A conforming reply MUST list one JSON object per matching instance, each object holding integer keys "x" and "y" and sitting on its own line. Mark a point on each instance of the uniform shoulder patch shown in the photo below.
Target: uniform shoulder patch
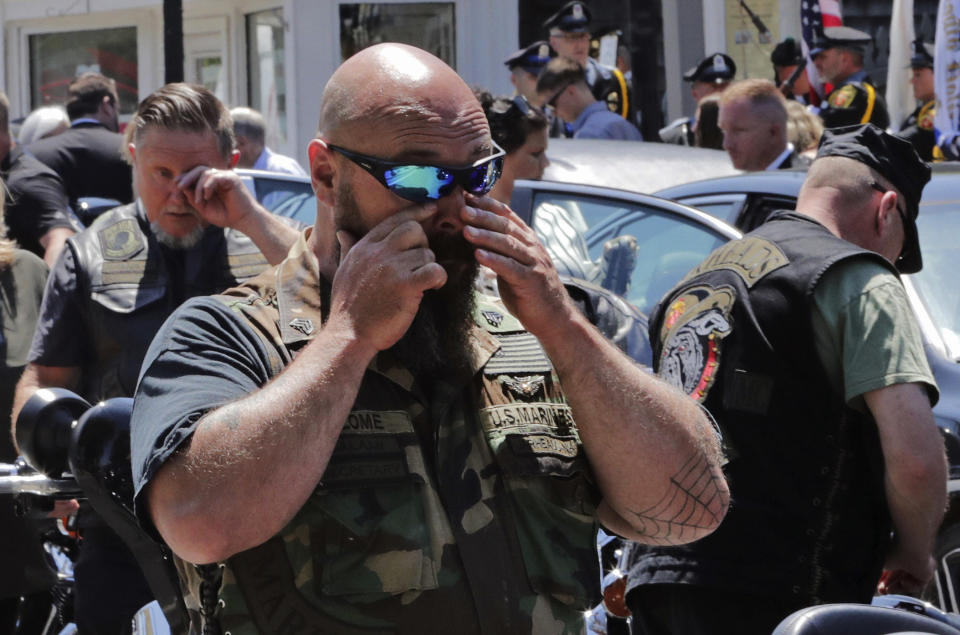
{"x": 121, "y": 240}
{"x": 843, "y": 97}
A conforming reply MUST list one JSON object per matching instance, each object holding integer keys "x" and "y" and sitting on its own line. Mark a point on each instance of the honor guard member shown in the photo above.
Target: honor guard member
{"x": 570, "y": 38}
{"x": 838, "y": 55}
{"x": 800, "y": 340}
{"x": 918, "y": 127}
{"x": 786, "y": 57}
{"x": 193, "y": 230}
{"x": 712, "y": 75}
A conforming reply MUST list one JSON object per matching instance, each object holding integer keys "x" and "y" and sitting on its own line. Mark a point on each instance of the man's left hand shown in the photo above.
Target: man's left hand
{"x": 219, "y": 196}
{"x": 528, "y": 282}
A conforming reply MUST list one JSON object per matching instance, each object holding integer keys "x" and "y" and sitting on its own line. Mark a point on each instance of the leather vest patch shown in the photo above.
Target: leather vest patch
{"x": 693, "y": 329}
{"x": 751, "y": 258}
{"x": 121, "y": 240}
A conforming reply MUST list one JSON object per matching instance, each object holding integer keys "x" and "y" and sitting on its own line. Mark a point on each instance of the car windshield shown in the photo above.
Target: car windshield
{"x": 938, "y": 228}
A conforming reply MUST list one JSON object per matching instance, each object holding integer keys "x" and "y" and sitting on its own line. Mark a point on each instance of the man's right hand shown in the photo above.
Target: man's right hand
{"x": 382, "y": 276}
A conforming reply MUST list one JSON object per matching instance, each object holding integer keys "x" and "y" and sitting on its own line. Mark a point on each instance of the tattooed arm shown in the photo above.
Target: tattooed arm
{"x": 653, "y": 451}
{"x": 652, "y": 448}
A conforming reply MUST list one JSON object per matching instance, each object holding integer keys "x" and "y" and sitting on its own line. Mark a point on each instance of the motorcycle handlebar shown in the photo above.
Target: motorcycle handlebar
{"x": 19, "y": 479}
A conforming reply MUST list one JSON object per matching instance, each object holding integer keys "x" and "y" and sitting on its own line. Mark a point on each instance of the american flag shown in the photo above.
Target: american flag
{"x": 814, "y": 15}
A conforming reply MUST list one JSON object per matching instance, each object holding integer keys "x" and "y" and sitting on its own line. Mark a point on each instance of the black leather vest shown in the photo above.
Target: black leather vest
{"x": 808, "y": 514}
{"x": 129, "y": 284}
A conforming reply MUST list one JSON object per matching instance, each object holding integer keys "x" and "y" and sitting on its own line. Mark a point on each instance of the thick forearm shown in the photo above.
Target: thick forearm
{"x": 272, "y": 236}
{"x": 266, "y": 452}
{"x": 917, "y": 497}
{"x": 654, "y": 452}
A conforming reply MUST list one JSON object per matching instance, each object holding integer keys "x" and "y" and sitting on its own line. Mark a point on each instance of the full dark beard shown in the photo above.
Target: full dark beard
{"x": 437, "y": 344}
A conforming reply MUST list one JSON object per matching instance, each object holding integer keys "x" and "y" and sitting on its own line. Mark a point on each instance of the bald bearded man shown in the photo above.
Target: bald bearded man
{"x": 367, "y": 445}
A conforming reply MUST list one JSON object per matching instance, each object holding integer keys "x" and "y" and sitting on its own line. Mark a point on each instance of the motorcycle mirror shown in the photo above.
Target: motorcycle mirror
{"x": 44, "y": 427}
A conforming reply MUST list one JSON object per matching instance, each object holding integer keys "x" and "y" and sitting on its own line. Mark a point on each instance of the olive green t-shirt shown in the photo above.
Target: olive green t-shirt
{"x": 865, "y": 332}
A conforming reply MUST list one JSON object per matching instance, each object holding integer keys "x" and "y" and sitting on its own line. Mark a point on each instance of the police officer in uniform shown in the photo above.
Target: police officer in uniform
{"x": 525, "y": 66}
{"x": 570, "y": 38}
{"x": 712, "y": 75}
{"x": 838, "y": 55}
{"x": 800, "y": 340}
{"x": 918, "y": 127}
{"x": 115, "y": 284}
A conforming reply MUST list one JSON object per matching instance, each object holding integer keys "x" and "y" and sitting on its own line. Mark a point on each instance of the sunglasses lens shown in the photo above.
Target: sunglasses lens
{"x": 483, "y": 177}
{"x": 418, "y": 183}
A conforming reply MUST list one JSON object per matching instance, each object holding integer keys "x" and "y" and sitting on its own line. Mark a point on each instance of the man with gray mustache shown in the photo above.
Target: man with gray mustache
{"x": 193, "y": 230}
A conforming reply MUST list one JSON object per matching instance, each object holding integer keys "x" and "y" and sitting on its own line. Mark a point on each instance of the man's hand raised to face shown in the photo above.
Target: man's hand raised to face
{"x": 381, "y": 278}
{"x": 220, "y": 197}
{"x": 529, "y": 284}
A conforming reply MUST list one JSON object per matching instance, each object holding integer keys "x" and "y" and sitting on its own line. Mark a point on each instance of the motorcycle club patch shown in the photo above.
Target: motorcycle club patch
{"x": 120, "y": 240}
{"x": 693, "y": 329}
{"x": 843, "y": 97}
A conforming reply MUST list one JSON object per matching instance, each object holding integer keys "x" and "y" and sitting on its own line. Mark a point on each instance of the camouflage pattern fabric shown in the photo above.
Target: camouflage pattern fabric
{"x": 473, "y": 510}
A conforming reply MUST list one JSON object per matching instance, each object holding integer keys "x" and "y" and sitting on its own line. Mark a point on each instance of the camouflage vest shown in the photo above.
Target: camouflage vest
{"x": 126, "y": 288}
{"x": 471, "y": 511}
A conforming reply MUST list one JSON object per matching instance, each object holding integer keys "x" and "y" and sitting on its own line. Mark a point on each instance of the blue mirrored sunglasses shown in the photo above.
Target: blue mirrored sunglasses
{"x": 421, "y": 183}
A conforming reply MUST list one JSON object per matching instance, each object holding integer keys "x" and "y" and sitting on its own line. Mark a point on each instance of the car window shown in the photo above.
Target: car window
{"x": 650, "y": 251}
{"x": 290, "y": 198}
{"x": 726, "y": 207}
{"x": 562, "y": 220}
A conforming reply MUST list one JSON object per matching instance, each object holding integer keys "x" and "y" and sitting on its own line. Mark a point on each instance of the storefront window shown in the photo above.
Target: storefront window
{"x": 267, "y": 91}
{"x": 428, "y": 25}
{"x": 57, "y": 58}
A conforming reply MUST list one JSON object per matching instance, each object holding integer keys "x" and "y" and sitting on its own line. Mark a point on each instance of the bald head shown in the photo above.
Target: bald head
{"x": 398, "y": 88}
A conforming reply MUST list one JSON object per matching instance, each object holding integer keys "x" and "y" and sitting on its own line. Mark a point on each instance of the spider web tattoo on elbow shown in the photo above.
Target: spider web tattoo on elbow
{"x": 694, "y": 501}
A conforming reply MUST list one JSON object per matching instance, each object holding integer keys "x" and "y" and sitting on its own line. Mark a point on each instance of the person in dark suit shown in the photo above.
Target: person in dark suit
{"x": 88, "y": 156}
{"x": 753, "y": 118}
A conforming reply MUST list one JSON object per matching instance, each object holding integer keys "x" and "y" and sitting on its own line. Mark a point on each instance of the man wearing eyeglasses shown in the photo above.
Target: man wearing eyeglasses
{"x": 365, "y": 443}
{"x": 799, "y": 339}
{"x": 562, "y": 85}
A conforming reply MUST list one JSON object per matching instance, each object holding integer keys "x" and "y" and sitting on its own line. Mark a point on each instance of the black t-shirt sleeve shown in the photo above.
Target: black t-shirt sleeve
{"x": 37, "y": 205}
{"x": 60, "y": 335}
{"x": 203, "y": 357}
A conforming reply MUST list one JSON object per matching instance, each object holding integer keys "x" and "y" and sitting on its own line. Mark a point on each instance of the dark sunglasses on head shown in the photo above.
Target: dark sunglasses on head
{"x": 420, "y": 183}
{"x": 517, "y": 105}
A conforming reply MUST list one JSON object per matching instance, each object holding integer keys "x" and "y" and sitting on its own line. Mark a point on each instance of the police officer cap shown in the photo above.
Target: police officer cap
{"x": 897, "y": 161}
{"x": 922, "y": 55}
{"x": 787, "y": 53}
{"x": 717, "y": 68}
{"x": 532, "y": 58}
{"x": 842, "y": 37}
{"x": 573, "y": 17}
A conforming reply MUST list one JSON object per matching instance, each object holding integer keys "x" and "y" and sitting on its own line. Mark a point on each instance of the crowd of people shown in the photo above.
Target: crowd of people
{"x": 335, "y": 430}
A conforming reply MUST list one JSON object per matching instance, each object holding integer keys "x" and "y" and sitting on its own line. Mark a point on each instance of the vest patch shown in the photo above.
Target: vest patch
{"x": 544, "y": 444}
{"x": 523, "y": 387}
{"x": 750, "y": 258}
{"x": 377, "y": 422}
{"x": 526, "y": 418}
{"x": 121, "y": 240}
{"x": 694, "y": 326}
{"x": 519, "y": 353}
